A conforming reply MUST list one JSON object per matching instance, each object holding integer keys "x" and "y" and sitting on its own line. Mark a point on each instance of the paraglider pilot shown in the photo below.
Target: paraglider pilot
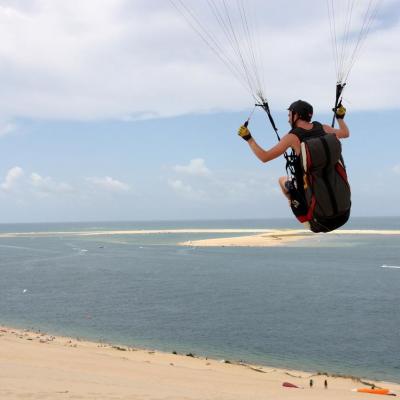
{"x": 299, "y": 118}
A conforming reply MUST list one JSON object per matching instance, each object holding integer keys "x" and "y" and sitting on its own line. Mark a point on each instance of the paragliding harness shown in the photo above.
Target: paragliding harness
{"x": 318, "y": 187}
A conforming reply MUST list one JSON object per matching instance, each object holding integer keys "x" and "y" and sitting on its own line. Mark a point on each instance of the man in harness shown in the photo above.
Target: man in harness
{"x": 302, "y": 130}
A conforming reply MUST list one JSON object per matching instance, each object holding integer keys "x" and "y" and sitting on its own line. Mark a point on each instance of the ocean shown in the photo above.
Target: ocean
{"x": 330, "y": 304}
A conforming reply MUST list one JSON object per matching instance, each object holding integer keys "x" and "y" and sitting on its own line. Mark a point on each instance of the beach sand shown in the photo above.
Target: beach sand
{"x": 36, "y": 365}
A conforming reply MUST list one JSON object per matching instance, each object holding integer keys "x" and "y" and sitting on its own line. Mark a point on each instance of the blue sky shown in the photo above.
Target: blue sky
{"x": 102, "y": 119}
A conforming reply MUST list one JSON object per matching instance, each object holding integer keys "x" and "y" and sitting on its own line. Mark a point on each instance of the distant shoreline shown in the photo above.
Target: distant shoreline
{"x": 130, "y": 232}
{"x": 287, "y": 232}
{"x": 243, "y": 237}
{"x": 38, "y": 365}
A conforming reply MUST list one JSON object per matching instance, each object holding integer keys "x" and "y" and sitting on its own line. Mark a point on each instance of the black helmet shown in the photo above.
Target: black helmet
{"x": 303, "y": 109}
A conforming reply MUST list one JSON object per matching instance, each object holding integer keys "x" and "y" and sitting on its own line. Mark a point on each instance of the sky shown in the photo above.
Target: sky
{"x": 117, "y": 110}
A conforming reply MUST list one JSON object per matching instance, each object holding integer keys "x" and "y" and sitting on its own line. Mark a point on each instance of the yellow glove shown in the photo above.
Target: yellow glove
{"x": 244, "y": 133}
{"x": 340, "y": 111}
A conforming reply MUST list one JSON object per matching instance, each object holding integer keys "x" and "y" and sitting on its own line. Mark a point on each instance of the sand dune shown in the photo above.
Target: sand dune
{"x": 39, "y": 366}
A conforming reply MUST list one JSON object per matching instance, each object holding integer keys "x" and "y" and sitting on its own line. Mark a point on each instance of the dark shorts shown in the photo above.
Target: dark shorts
{"x": 298, "y": 201}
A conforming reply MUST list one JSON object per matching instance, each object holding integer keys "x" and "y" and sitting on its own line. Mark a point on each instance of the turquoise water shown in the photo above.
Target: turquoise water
{"x": 325, "y": 304}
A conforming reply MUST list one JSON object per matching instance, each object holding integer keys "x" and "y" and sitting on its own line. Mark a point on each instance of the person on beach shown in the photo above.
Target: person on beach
{"x": 299, "y": 118}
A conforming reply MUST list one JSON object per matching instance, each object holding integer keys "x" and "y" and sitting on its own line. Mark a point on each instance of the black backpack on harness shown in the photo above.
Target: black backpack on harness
{"x": 319, "y": 189}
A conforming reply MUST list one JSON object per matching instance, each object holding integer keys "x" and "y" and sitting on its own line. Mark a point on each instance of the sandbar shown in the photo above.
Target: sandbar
{"x": 271, "y": 238}
{"x": 37, "y": 365}
{"x": 280, "y": 237}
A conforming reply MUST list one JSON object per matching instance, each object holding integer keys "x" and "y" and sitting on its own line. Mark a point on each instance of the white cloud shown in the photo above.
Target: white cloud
{"x": 196, "y": 167}
{"x": 45, "y": 186}
{"x": 186, "y": 190}
{"x": 129, "y": 59}
{"x": 228, "y": 187}
{"x": 21, "y": 188}
{"x": 11, "y": 179}
{"x": 396, "y": 169}
{"x": 109, "y": 184}
{"x": 244, "y": 186}
{"x": 6, "y": 128}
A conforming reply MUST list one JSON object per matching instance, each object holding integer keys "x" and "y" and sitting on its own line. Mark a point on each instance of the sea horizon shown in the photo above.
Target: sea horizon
{"x": 353, "y": 223}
